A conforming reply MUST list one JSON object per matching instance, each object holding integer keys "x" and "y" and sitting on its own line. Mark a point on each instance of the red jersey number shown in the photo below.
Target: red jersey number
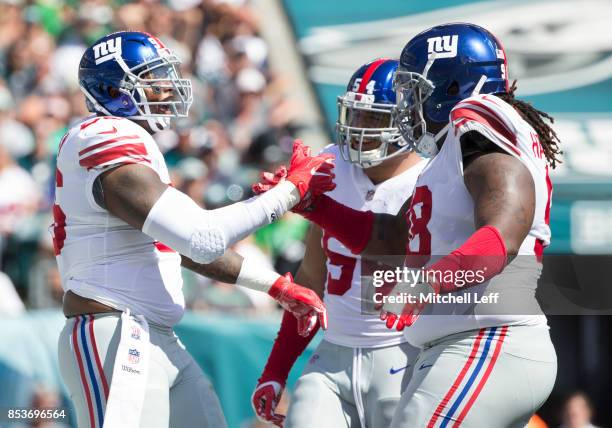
{"x": 418, "y": 248}
{"x": 59, "y": 218}
{"x": 340, "y": 271}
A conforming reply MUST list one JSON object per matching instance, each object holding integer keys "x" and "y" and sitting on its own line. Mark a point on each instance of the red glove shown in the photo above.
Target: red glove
{"x": 269, "y": 180}
{"x": 264, "y": 400}
{"x": 302, "y": 302}
{"x": 400, "y": 315}
{"x": 351, "y": 227}
{"x": 311, "y": 175}
{"x": 288, "y": 346}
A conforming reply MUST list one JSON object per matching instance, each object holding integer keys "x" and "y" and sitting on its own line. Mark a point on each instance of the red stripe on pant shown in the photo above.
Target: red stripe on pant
{"x": 482, "y": 382}
{"x": 79, "y": 359}
{"x": 458, "y": 380}
{"x": 97, "y": 357}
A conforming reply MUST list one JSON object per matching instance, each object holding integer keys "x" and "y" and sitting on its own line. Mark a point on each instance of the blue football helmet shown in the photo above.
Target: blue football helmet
{"x": 365, "y": 129}
{"x": 118, "y": 71}
{"x": 438, "y": 68}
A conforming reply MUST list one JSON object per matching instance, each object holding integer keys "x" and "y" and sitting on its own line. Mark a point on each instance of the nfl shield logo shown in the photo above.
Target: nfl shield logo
{"x": 133, "y": 356}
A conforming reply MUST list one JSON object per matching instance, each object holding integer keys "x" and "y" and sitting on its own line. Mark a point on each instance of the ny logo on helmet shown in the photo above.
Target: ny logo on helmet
{"x": 443, "y": 46}
{"x": 107, "y": 50}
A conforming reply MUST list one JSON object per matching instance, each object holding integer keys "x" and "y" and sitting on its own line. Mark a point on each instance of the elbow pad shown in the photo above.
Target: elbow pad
{"x": 178, "y": 222}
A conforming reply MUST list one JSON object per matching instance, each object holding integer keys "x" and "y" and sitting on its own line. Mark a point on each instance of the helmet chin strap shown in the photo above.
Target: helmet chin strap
{"x": 479, "y": 85}
{"x": 158, "y": 123}
{"x": 428, "y": 144}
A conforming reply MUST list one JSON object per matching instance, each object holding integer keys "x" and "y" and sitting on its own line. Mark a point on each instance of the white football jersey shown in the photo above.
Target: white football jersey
{"x": 442, "y": 219}
{"x": 100, "y": 256}
{"x": 348, "y": 325}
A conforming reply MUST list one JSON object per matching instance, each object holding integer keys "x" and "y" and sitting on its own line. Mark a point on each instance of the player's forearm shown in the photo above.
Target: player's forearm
{"x": 313, "y": 271}
{"x": 310, "y": 280}
{"x": 225, "y": 269}
{"x": 287, "y": 347}
{"x": 388, "y": 236}
{"x": 362, "y": 232}
{"x": 243, "y": 218}
{"x": 232, "y": 268}
{"x": 484, "y": 254}
{"x": 347, "y": 225}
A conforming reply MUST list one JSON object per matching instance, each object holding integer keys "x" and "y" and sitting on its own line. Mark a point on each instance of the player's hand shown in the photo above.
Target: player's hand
{"x": 406, "y": 304}
{"x": 271, "y": 179}
{"x": 301, "y": 302}
{"x": 264, "y": 400}
{"x": 311, "y": 175}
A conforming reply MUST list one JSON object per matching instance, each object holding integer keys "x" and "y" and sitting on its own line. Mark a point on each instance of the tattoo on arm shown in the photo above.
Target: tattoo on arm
{"x": 225, "y": 269}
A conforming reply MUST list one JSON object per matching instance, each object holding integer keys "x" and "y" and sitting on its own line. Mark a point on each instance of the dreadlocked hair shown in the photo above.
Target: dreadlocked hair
{"x": 548, "y": 137}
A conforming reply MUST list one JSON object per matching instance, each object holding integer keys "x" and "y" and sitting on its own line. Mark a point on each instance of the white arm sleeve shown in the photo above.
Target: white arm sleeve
{"x": 204, "y": 235}
{"x": 253, "y": 276}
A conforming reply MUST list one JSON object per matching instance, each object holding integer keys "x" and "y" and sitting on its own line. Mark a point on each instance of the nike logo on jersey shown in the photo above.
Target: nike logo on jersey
{"x": 394, "y": 371}
{"x": 112, "y": 131}
{"x": 424, "y": 366}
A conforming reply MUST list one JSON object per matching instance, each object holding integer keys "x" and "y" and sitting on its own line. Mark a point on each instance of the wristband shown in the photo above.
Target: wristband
{"x": 483, "y": 252}
{"x": 254, "y": 277}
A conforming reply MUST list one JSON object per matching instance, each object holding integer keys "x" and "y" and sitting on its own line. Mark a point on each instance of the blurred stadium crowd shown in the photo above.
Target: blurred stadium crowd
{"x": 240, "y": 123}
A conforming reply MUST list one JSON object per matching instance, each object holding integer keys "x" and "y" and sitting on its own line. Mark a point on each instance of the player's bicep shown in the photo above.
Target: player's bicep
{"x": 130, "y": 191}
{"x": 313, "y": 271}
{"x": 504, "y": 196}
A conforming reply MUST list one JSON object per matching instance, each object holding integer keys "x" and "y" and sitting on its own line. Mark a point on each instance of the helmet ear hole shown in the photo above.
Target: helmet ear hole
{"x": 108, "y": 90}
{"x": 112, "y": 92}
{"x": 453, "y": 89}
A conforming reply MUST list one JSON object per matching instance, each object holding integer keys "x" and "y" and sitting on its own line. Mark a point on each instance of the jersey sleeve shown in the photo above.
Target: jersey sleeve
{"x": 487, "y": 115}
{"x": 110, "y": 141}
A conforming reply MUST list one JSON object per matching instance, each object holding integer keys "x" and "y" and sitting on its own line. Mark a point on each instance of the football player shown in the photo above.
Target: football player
{"x": 359, "y": 370}
{"x": 481, "y": 206}
{"x": 122, "y": 232}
